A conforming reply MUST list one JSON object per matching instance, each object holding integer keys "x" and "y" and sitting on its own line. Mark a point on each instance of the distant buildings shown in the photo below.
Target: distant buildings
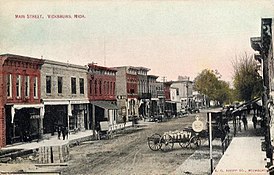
{"x": 39, "y": 95}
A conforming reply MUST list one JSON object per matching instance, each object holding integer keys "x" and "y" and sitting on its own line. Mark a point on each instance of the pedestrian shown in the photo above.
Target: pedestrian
{"x": 98, "y": 130}
{"x": 125, "y": 120}
{"x": 63, "y": 130}
{"x": 240, "y": 123}
{"x": 244, "y": 122}
{"x": 59, "y": 131}
{"x": 254, "y": 120}
{"x": 66, "y": 132}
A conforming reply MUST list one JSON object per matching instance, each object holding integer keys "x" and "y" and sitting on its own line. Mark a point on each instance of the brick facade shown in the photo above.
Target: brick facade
{"x": 17, "y": 86}
{"x": 101, "y": 83}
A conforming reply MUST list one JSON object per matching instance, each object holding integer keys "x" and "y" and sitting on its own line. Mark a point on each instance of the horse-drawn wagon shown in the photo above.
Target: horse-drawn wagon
{"x": 186, "y": 138}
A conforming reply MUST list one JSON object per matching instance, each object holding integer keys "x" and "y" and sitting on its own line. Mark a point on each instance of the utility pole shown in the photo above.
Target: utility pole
{"x": 93, "y": 106}
{"x": 164, "y": 79}
{"x": 187, "y": 92}
{"x": 104, "y": 51}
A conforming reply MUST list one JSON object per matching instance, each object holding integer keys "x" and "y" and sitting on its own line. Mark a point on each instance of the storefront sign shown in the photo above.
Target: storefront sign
{"x": 197, "y": 125}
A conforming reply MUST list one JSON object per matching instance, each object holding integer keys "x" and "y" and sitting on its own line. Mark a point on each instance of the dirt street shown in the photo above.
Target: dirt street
{"x": 128, "y": 153}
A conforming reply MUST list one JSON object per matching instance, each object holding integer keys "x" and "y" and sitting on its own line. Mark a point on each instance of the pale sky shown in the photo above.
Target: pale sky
{"x": 171, "y": 38}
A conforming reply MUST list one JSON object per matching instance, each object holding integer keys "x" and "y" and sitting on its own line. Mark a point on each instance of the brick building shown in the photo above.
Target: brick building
{"x": 144, "y": 96}
{"x": 152, "y": 84}
{"x": 264, "y": 47}
{"x": 21, "y": 111}
{"x": 101, "y": 93}
{"x": 65, "y": 96}
{"x": 127, "y": 91}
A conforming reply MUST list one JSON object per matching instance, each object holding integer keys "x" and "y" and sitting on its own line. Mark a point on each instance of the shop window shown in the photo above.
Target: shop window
{"x": 73, "y": 85}
{"x": 9, "y": 85}
{"x": 27, "y": 86}
{"x": 35, "y": 87}
{"x": 18, "y": 86}
{"x": 81, "y": 82}
{"x": 48, "y": 84}
{"x": 60, "y": 85}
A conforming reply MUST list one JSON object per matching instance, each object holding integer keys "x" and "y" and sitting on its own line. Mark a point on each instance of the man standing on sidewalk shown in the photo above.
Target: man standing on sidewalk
{"x": 254, "y": 120}
{"x": 244, "y": 122}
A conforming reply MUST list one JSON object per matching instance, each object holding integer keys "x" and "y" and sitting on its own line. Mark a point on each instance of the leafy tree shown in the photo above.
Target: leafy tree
{"x": 223, "y": 92}
{"x": 247, "y": 82}
{"x": 208, "y": 83}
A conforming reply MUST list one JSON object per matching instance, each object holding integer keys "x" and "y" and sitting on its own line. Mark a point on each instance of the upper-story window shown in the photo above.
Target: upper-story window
{"x": 95, "y": 87}
{"x": 27, "y": 87}
{"x": 60, "y": 85}
{"x": 35, "y": 87}
{"x": 73, "y": 85}
{"x": 81, "y": 83}
{"x": 108, "y": 89}
{"x": 90, "y": 87}
{"x": 113, "y": 87}
{"x": 100, "y": 87}
{"x": 48, "y": 84}
{"x": 9, "y": 85}
{"x": 18, "y": 86}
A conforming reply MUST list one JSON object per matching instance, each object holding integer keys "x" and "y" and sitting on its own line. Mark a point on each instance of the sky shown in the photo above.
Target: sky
{"x": 172, "y": 38}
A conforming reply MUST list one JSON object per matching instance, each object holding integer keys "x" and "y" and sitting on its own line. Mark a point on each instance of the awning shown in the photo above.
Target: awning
{"x": 18, "y": 106}
{"x": 79, "y": 101}
{"x": 250, "y": 102}
{"x": 171, "y": 102}
{"x": 104, "y": 104}
{"x": 243, "y": 107}
{"x": 65, "y": 101}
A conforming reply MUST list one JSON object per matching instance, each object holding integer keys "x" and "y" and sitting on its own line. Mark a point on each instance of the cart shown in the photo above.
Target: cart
{"x": 105, "y": 132}
{"x": 187, "y": 138}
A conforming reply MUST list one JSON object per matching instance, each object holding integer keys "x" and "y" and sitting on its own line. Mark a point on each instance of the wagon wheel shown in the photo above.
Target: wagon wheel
{"x": 195, "y": 142}
{"x": 154, "y": 142}
{"x": 166, "y": 142}
{"x": 183, "y": 142}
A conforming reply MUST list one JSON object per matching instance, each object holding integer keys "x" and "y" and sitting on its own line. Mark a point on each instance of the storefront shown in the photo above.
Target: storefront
{"x": 78, "y": 118}
{"x": 104, "y": 111}
{"x": 24, "y": 122}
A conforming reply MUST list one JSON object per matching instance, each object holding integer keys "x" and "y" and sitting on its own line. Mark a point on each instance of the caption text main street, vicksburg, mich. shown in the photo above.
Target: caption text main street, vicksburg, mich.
{"x": 58, "y": 16}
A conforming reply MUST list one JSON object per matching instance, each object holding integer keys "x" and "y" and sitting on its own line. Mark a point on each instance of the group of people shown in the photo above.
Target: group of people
{"x": 62, "y": 130}
{"x": 245, "y": 122}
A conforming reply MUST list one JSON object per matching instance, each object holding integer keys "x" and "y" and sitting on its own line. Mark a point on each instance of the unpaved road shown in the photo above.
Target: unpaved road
{"x": 128, "y": 153}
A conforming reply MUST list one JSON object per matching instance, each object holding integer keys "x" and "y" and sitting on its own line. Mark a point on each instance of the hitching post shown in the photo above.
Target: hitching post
{"x": 210, "y": 143}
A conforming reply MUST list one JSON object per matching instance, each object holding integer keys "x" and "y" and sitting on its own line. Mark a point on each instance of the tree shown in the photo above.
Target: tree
{"x": 223, "y": 93}
{"x": 208, "y": 83}
{"x": 247, "y": 82}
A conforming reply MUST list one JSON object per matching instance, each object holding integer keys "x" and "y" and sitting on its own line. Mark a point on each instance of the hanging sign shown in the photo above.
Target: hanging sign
{"x": 197, "y": 125}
